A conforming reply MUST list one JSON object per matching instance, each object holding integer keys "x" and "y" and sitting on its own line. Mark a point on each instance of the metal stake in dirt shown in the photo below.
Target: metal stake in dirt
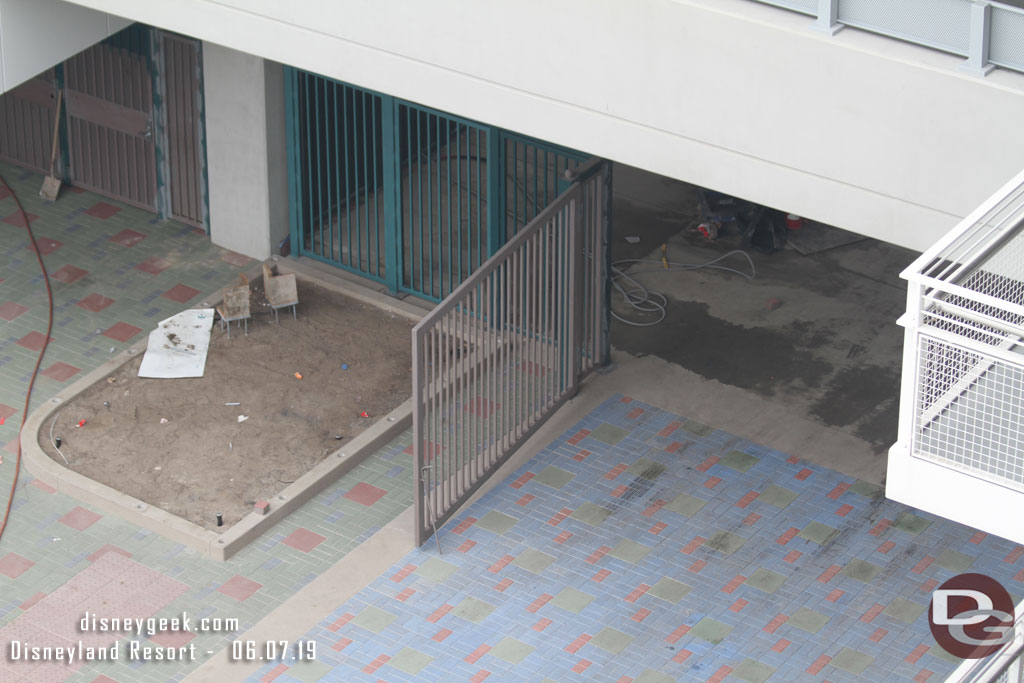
{"x": 433, "y": 519}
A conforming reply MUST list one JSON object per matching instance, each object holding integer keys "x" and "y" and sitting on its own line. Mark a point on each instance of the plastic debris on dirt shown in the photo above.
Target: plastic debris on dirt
{"x": 178, "y": 346}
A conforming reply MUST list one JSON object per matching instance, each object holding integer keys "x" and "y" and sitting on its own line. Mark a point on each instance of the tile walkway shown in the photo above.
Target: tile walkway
{"x": 115, "y": 272}
{"x": 641, "y": 546}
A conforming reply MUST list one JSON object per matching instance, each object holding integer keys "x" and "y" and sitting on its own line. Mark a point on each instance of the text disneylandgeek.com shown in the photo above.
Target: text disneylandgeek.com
{"x": 139, "y": 650}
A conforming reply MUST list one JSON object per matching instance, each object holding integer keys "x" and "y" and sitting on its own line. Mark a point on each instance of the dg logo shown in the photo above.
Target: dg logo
{"x": 971, "y": 616}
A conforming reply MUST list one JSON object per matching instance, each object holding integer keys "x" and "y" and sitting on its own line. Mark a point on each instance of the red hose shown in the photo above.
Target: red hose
{"x": 39, "y": 360}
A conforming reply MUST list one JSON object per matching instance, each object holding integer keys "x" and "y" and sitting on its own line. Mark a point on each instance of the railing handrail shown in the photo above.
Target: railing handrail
{"x": 992, "y": 667}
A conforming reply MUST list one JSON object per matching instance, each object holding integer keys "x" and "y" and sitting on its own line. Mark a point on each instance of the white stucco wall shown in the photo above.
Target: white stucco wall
{"x": 868, "y": 133}
{"x": 244, "y": 151}
{"x": 37, "y": 34}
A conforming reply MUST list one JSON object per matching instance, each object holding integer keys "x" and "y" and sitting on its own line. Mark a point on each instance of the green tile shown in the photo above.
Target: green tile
{"x": 669, "y": 590}
{"x": 436, "y": 569}
{"x": 572, "y": 599}
{"x": 511, "y": 650}
{"x": 819, "y": 533}
{"x": 496, "y": 522}
{"x": 954, "y": 561}
{"x": 766, "y": 581}
{"x": 711, "y": 630}
{"x": 911, "y": 523}
{"x": 851, "y": 660}
{"x": 472, "y": 609}
{"x": 374, "y": 620}
{"x": 724, "y": 542}
{"x": 629, "y": 551}
{"x": 906, "y": 611}
{"x": 309, "y": 671}
{"x": 754, "y": 672}
{"x": 411, "y": 661}
{"x": 866, "y": 489}
{"x": 645, "y": 469}
{"x": 685, "y": 504}
{"x": 697, "y": 428}
{"x": 652, "y": 676}
{"x": 611, "y": 640}
{"x": 777, "y": 496}
{"x": 738, "y": 460}
{"x": 591, "y": 514}
{"x": 861, "y": 570}
{"x": 533, "y": 560}
{"x": 554, "y": 477}
{"x": 808, "y": 620}
{"x": 609, "y": 434}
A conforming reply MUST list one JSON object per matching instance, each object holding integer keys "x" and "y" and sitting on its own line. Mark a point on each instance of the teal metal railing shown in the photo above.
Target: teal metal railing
{"x": 405, "y": 195}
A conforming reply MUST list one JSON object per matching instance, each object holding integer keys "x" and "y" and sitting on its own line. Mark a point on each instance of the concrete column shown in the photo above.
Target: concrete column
{"x": 245, "y": 151}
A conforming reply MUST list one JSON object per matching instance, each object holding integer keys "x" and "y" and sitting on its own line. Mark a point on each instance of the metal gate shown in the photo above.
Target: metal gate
{"x": 109, "y": 92}
{"x": 26, "y": 122}
{"x": 499, "y": 356}
{"x": 183, "y": 111}
{"x": 408, "y": 196}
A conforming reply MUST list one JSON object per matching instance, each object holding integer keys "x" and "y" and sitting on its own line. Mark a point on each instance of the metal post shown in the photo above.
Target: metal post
{"x": 981, "y": 22}
{"x": 828, "y": 17}
{"x": 495, "y": 191}
{"x": 392, "y": 227}
{"x": 158, "y": 124}
{"x": 292, "y": 142}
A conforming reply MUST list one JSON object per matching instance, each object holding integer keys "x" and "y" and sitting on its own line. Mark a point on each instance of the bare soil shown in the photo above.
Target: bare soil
{"x": 203, "y": 460}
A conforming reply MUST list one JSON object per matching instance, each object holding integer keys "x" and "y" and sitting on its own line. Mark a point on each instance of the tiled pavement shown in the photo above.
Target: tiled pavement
{"x": 641, "y": 546}
{"x": 115, "y": 272}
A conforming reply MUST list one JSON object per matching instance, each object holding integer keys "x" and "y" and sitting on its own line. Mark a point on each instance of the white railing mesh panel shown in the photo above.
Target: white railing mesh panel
{"x": 1006, "y": 40}
{"x": 942, "y": 24}
{"x": 802, "y": 6}
{"x": 968, "y": 411}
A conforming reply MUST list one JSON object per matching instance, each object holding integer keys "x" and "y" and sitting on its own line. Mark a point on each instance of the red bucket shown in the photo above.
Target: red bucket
{"x": 794, "y": 222}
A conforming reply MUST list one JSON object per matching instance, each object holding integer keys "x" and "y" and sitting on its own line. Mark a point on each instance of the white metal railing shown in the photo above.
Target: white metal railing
{"x": 987, "y": 33}
{"x": 1004, "y": 666}
{"x": 964, "y": 366}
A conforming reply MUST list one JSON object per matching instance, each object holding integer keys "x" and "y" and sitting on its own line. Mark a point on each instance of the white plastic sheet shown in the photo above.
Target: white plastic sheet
{"x": 178, "y": 346}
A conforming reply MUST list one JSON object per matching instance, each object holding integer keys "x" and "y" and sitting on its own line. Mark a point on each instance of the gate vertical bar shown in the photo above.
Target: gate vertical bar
{"x": 392, "y": 229}
{"x": 292, "y": 151}
{"x": 495, "y": 189}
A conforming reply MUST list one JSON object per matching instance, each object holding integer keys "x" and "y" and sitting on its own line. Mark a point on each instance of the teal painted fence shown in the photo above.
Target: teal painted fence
{"x": 407, "y": 196}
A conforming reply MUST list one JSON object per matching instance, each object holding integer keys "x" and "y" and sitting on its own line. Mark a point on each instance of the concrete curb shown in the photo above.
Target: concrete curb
{"x": 219, "y": 546}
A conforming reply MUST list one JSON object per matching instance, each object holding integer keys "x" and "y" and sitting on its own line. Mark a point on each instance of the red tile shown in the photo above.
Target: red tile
{"x": 781, "y": 645}
{"x": 101, "y": 210}
{"x": 16, "y": 219}
{"x": 32, "y": 601}
{"x": 925, "y": 562}
{"x": 376, "y": 664}
{"x": 829, "y": 573}
{"x": 239, "y": 587}
{"x": 539, "y": 602}
{"x": 619, "y": 490}
{"x": 635, "y": 413}
{"x": 154, "y": 265}
{"x": 839, "y": 490}
{"x": 578, "y": 436}
{"x": 735, "y": 583}
{"x": 480, "y": 676}
{"x": 793, "y": 556}
{"x": 10, "y": 310}
{"x": 601, "y": 575}
{"x": 523, "y": 478}
{"x": 128, "y": 238}
{"x": 720, "y": 675}
{"x": 405, "y": 595}
{"x": 108, "y": 548}
{"x": 180, "y": 293}
{"x": 751, "y": 518}
{"x": 878, "y": 635}
{"x": 738, "y": 605}
{"x": 870, "y": 615}
{"x": 33, "y": 341}
{"x": 464, "y": 524}
{"x": 708, "y": 463}
{"x": 400, "y": 575}
{"x": 341, "y": 621}
{"x": 122, "y": 331}
{"x": 819, "y": 664}
{"x": 712, "y": 482}
{"x": 669, "y": 428}
{"x": 79, "y": 518}
{"x": 234, "y": 258}
{"x": 625, "y": 399}
{"x": 503, "y": 585}
{"x": 775, "y": 623}
{"x": 788, "y": 536}
{"x": 542, "y": 624}
{"x": 563, "y": 537}
{"x": 43, "y": 486}
{"x": 440, "y": 636}
{"x": 697, "y": 566}
{"x": 1014, "y": 554}
{"x": 886, "y": 547}
{"x": 916, "y": 654}
{"x": 637, "y": 592}
{"x": 95, "y": 302}
{"x": 929, "y": 585}
{"x": 792, "y": 460}
{"x": 641, "y": 614}
{"x": 466, "y": 547}
{"x": 677, "y": 634}
{"x": 835, "y": 595}
{"x": 923, "y": 675}
{"x": 365, "y": 494}
{"x": 598, "y": 554}
{"x": 844, "y": 510}
{"x": 476, "y": 654}
{"x": 877, "y": 529}
{"x": 679, "y": 658}
{"x": 747, "y": 499}
{"x": 582, "y": 455}
{"x": 45, "y": 245}
{"x": 69, "y": 274}
{"x": 658, "y": 528}
{"x": 439, "y": 612}
{"x": 61, "y": 371}
{"x": 581, "y": 666}
{"x": 500, "y": 564}
{"x": 341, "y": 644}
{"x": 272, "y": 675}
{"x": 13, "y": 565}
{"x": 802, "y": 474}
{"x": 525, "y": 499}
{"x": 304, "y": 539}
{"x": 978, "y": 537}
{"x": 654, "y": 507}
{"x": 674, "y": 447}
{"x": 616, "y": 471}
{"x": 574, "y": 647}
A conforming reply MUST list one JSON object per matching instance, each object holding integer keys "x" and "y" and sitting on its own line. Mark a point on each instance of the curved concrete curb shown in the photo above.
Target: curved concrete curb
{"x": 219, "y": 546}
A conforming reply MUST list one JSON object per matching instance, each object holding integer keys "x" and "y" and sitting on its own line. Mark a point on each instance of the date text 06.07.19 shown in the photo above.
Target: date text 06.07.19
{"x": 272, "y": 650}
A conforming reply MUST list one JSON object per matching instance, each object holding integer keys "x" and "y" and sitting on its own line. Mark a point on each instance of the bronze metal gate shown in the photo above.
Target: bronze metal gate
{"x": 26, "y": 122}
{"x": 109, "y": 91}
{"x": 185, "y": 165}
